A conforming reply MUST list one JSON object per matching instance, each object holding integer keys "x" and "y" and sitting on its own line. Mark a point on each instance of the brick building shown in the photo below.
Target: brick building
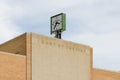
{"x": 36, "y": 57}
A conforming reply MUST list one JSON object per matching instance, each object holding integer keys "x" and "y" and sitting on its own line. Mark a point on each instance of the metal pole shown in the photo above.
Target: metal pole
{"x": 58, "y": 35}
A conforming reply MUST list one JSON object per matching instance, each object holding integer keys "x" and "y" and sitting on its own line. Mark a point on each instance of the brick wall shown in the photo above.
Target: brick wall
{"x": 20, "y": 45}
{"x": 16, "y": 45}
{"x": 99, "y": 74}
{"x": 12, "y": 66}
{"x": 19, "y": 66}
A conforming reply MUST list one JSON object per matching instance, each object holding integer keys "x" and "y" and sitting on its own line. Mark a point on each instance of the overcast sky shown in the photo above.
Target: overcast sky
{"x": 92, "y": 22}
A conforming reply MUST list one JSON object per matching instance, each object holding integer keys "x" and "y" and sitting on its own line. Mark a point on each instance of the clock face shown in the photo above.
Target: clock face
{"x": 56, "y": 23}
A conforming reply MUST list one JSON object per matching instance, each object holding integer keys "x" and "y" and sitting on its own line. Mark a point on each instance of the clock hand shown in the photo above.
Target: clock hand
{"x": 55, "y": 26}
{"x": 56, "y": 23}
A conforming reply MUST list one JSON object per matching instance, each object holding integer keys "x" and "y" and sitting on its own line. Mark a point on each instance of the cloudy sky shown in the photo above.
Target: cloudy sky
{"x": 92, "y": 22}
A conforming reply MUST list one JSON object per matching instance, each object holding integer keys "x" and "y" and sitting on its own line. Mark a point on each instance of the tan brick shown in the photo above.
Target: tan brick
{"x": 100, "y": 74}
{"x": 12, "y": 66}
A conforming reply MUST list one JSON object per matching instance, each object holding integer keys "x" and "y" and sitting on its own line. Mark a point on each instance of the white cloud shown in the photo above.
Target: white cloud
{"x": 8, "y": 28}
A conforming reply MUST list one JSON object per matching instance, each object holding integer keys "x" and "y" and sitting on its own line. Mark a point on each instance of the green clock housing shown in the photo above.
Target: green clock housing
{"x": 58, "y": 23}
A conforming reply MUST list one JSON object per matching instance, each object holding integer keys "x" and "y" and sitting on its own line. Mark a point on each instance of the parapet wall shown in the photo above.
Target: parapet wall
{"x": 12, "y": 66}
{"x": 99, "y": 74}
{"x": 16, "y": 45}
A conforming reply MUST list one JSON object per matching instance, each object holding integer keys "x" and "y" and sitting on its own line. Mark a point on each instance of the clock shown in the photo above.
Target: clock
{"x": 58, "y": 23}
